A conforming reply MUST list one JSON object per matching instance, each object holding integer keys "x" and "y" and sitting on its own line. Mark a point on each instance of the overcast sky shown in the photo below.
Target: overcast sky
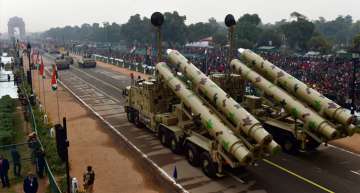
{"x": 40, "y": 15}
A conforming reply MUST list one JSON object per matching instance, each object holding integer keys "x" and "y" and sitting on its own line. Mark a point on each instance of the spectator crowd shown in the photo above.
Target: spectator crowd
{"x": 331, "y": 76}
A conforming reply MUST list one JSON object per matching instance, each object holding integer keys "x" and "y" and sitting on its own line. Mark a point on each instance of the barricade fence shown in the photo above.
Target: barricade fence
{"x": 21, "y": 160}
{"x": 138, "y": 67}
{"x": 54, "y": 187}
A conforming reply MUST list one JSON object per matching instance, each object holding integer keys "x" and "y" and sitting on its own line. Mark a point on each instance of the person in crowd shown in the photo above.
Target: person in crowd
{"x": 4, "y": 170}
{"x": 16, "y": 161}
{"x": 40, "y": 162}
{"x": 89, "y": 179}
{"x": 30, "y": 184}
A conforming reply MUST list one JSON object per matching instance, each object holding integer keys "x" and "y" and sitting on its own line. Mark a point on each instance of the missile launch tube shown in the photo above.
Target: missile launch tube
{"x": 311, "y": 119}
{"x": 212, "y": 123}
{"x": 313, "y": 98}
{"x": 222, "y": 101}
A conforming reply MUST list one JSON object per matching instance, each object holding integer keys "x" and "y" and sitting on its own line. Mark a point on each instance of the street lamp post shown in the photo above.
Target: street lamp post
{"x": 230, "y": 23}
{"x": 29, "y": 75}
{"x": 157, "y": 19}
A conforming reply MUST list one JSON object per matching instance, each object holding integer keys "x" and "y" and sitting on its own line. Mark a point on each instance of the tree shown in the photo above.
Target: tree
{"x": 174, "y": 29}
{"x": 339, "y": 30}
{"x": 356, "y": 43}
{"x": 220, "y": 38}
{"x": 201, "y": 30}
{"x": 248, "y": 30}
{"x": 136, "y": 30}
{"x": 319, "y": 43}
{"x": 269, "y": 35}
{"x": 298, "y": 16}
{"x": 298, "y": 32}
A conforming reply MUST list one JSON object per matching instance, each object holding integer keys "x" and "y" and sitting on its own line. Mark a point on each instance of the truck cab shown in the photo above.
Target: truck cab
{"x": 62, "y": 63}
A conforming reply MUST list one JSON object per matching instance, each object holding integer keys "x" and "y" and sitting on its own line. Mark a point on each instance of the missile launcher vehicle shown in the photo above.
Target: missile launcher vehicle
{"x": 186, "y": 123}
{"x": 214, "y": 134}
{"x": 293, "y": 123}
{"x": 297, "y": 116}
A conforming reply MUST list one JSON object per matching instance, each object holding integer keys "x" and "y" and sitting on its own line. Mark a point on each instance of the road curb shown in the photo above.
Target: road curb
{"x": 165, "y": 180}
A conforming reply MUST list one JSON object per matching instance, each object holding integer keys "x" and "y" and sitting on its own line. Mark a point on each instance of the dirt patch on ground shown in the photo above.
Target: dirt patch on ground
{"x": 350, "y": 143}
{"x": 91, "y": 143}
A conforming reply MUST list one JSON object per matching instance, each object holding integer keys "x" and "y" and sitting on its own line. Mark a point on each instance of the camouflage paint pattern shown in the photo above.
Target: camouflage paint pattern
{"x": 299, "y": 89}
{"x": 211, "y": 122}
{"x": 240, "y": 117}
{"x": 312, "y": 120}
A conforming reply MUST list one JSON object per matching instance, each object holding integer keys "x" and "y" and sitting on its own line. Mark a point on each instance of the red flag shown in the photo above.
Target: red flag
{"x": 54, "y": 79}
{"x": 41, "y": 68}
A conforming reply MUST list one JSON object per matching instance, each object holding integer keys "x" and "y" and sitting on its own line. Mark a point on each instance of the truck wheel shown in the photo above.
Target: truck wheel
{"x": 208, "y": 166}
{"x": 290, "y": 145}
{"x": 175, "y": 145}
{"x": 192, "y": 154}
{"x": 311, "y": 145}
{"x": 163, "y": 137}
{"x": 130, "y": 116}
{"x": 137, "y": 121}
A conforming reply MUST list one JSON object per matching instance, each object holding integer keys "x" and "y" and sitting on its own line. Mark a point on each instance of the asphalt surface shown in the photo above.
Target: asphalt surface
{"x": 329, "y": 169}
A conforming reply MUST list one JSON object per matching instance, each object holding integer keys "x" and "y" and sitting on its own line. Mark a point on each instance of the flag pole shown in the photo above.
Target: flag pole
{"x": 54, "y": 78}
{"x": 43, "y": 84}
{"x": 39, "y": 83}
{"x": 58, "y": 106}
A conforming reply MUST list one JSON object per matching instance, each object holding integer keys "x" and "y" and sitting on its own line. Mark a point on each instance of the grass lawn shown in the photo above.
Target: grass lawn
{"x": 20, "y": 130}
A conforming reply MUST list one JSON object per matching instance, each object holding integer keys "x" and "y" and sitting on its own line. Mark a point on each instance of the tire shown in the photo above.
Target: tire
{"x": 137, "y": 121}
{"x": 290, "y": 145}
{"x": 192, "y": 154}
{"x": 311, "y": 145}
{"x": 208, "y": 166}
{"x": 174, "y": 144}
{"x": 130, "y": 116}
{"x": 163, "y": 137}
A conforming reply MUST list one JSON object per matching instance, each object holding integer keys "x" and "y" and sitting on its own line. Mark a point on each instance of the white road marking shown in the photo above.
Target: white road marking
{"x": 161, "y": 171}
{"x": 344, "y": 150}
{"x": 235, "y": 177}
{"x": 110, "y": 85}
{"x": 102, "y": 92}
{"x": 354, "y": 172}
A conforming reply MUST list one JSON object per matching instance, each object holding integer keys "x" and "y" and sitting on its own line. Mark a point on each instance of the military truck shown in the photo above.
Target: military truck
{"x": 69, "y": 59}
{"x": 301, "y": 121}
{"x": 186, "y": 123}
{"x": 87, "y": 61}
{"x": 62, "y": 63}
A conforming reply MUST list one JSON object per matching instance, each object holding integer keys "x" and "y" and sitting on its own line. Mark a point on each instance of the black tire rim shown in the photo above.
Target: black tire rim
{"x": 206, "y": 166}
{"x": 190, "y": 155}
{"x": 173, "y": 144}
{"x": 163, "y": 138}
{"x": 288, "y": 145}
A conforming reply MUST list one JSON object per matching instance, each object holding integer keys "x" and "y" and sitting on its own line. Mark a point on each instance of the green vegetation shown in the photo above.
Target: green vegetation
{"x": 12, "y": 132}
{"x": 48, "y": 142}
{"x": 297, "y": 33}
{"x": 39, "y": 124}
{"x": 7, "y": 120}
